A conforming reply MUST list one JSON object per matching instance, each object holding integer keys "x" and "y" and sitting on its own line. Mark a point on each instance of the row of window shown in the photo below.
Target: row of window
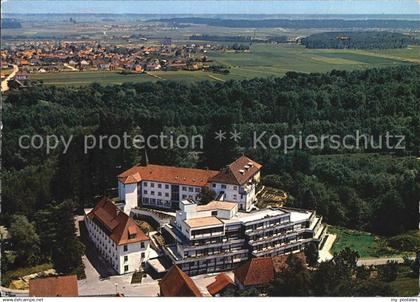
{"x": 190, "y": 189}
{"x": 224, "y": 186}
{"x": 159, "y": 202}
{"x": 160, "y": 186}
{"x": 152, "y": 185}
{"x": 153, "y": 193}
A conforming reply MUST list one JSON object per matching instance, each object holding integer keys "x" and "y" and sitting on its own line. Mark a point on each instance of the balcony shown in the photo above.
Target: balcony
{"x": 272, "y": 251}
{"x": 274, "y": 237}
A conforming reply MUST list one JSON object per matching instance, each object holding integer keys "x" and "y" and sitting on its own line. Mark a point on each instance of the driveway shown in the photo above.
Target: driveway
{"x": 95, "y": 285}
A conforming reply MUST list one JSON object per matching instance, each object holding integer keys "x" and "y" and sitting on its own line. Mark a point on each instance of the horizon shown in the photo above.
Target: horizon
{"x": 214, "y": 7}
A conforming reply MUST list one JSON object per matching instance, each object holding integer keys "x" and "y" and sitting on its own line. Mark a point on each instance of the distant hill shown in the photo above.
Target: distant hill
{"x": 10, "y": 23}
{"x": 289, "y": 23}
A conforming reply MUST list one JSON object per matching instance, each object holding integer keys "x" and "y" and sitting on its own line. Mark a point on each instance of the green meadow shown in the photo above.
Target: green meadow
{"x": 263, "y": 60}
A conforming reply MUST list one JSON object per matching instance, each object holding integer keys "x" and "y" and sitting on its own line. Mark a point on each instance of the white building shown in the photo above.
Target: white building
{"x": 237, "y": 182}
{"x": 164, "y": 187}
{"x": 117, "y": 237}
{"x": 217, "y": 237}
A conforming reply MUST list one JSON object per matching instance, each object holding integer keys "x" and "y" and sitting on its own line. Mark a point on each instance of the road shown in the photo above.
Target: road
{"x": 4, "y": 86}
{"x": 70, "y": 67}
{"x": 380, "y": 261}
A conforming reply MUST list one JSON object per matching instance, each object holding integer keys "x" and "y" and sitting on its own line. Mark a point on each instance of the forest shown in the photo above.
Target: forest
{"x": 290, "y": 23}
{"x": 358, "y": 40}
{"x": 239, "y": 39}
{"x": 373, "y": 189}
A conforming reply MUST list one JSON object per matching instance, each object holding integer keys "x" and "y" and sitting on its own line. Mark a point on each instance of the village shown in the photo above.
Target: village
{"x": 49, "y": 57}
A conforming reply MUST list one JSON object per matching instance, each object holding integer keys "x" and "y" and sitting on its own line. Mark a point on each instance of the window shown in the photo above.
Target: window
{"x": 197, "y": 190}
{"x": 152, "y": 192}
{"x": 235, "y": 188}
{"x": 214, "y": 185}
{"x": 166, "y": 186}
{"x": 166, "y": 194}
{"x": 144, "y": 191}
{"x": 213, "y": 213}
{"x": 152, "y": 185}
{"x": 125, "y": 258}
{"x": 184, "y": 188}
{"x": 190, "y": 189}
{"x": 125, "y": 248}
{"x": 145, "y": 184}
{"x": 184, "y": 196}
{"x": 125, "y": 268}
{"x": 142, "y": 245}
{"x": 223, "y": 186}
{"x": 234, "y": 196}
{"x": 159, "y": 186}
{"x": 159, "y": 193}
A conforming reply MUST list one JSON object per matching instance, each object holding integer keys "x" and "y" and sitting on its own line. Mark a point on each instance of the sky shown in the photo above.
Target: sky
{"x": 214, "y": 7}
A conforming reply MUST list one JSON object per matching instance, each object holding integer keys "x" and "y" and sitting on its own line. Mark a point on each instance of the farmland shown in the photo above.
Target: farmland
{"x": 263, "y": 60}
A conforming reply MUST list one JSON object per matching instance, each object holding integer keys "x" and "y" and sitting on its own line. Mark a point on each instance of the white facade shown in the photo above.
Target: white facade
{"x": 123, "y": 258}
{"x": 243, "y": 195}
{"x": 155, "y": 194}
{"x": 128, "y": 193}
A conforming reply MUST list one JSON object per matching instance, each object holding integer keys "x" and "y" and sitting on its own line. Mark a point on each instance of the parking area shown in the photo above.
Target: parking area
{"x": 96, "y": 285}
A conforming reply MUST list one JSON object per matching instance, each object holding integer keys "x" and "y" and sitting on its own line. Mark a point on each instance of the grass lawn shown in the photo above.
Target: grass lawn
{"x": 263, "y": 60}
{"x": 367, "y": 244}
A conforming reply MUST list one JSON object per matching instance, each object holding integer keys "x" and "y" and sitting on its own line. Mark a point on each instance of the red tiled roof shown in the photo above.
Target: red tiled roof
{"x": 61, "y": 286}
{"x": 238, "y": 172}
{"x": 222, "y": 280}
{"x": 256, "y": 271}
{"x": 176, "y": 283}
{"x": 167, "y": 174}
{"x": 118, "y": 224}
{"x": 280, "y": 262}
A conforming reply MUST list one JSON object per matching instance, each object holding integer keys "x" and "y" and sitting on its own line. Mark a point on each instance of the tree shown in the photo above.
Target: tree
{"x": 59, "y": 238}
{"x": 347, "y": 258}
{"x": 389, "y": 271}
{"x": 294, "y": 280}
{"x": 25, "y": 241}
{"x": 206, "y": 195}
{"x": 312, "y": 253}
{"x": 363, "y": 272}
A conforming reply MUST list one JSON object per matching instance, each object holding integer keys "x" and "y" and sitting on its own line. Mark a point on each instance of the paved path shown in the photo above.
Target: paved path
{"x": 4, "y": 85}
{"x": 324, "y": 253}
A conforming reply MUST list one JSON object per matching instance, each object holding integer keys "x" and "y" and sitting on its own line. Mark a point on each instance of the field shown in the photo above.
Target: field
{"x": 368, "y": 245}
{"x": 263, "y": 60}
